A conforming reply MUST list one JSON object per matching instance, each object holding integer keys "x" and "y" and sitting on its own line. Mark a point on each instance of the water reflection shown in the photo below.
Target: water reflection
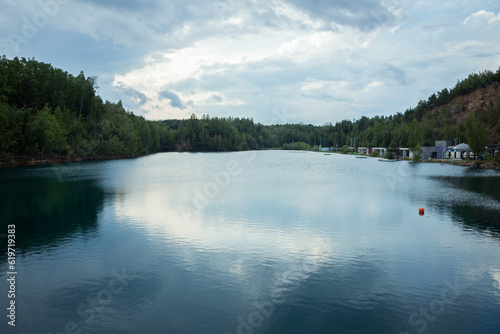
{"x": 474, "y": 201}
{"x": 296, "y": 243}
{"x": 46, "y": 211}
{"x": 483, "y": 185}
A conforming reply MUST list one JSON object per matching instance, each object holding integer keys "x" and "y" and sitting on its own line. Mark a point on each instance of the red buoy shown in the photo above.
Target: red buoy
{"x": 421, "y": 210}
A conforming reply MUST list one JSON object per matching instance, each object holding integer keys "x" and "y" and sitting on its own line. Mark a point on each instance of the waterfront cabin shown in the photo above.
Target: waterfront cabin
{"x": 405, "y": 152}
{"x": 380, "y": 150}
{"x": 460, "y": 152}
{"x": 364, "y": 150}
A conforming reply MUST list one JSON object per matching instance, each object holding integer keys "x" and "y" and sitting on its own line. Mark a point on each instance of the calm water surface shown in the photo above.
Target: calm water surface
{"x": 252, "y": 242}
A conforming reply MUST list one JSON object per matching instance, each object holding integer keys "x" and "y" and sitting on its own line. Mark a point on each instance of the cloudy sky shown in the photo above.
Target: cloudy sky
{"x": 276, "y": 61}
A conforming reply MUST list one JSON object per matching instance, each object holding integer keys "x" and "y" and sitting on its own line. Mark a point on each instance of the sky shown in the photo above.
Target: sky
{"x": 276, "y": 61}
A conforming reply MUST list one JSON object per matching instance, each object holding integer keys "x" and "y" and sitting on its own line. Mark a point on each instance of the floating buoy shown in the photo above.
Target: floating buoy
{"x": 421, "y": 210}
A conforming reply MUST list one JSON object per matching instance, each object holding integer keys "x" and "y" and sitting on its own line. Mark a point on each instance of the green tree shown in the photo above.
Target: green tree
{"x": 415, "y": 137}
{"x": 345, "y": 149}
{"x": 391, "y": 153}
{"x": 45, "y": 134}
{"x": 477, "y": 135}
{"x": 417, "y": 153}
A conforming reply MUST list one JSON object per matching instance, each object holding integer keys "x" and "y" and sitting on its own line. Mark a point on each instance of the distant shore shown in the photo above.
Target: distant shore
{"x": 56, "y": 159}
{"x": 469, "y": 163}
{"x": 466, "y": 163}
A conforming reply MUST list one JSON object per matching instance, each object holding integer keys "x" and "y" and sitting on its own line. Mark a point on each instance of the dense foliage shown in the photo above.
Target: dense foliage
{"x": 46, "y": 112}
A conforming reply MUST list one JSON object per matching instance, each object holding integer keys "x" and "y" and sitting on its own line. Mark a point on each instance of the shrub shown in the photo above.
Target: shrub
{"x": 417, "y": 153}
{"x": 345, "y": 150}
{"x": 391, "y": 153}
{"x": 388, "y": 155}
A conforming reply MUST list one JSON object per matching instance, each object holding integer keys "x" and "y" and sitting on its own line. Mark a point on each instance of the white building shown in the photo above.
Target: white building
{"x": 381, "y": 150}
{"x": 461, "y": 151}
{"x": 405, "y": 152}
{"x": 363, "y": 150}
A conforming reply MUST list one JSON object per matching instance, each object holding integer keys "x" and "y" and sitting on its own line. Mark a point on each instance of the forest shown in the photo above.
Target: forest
{"x": 46, "y": 112}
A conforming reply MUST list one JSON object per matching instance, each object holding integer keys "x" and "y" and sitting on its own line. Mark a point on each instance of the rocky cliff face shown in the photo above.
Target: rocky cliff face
{"x": 484, "y": 102}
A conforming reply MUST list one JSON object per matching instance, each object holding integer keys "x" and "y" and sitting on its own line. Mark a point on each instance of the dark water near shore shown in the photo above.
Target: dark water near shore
{"x": 252, "y": 242}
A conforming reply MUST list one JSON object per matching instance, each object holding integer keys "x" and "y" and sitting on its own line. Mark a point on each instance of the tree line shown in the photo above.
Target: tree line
{"x": 45, "y": 111}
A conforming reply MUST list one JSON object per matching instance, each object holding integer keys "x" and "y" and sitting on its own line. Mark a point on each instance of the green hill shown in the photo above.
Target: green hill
{"x": 49, "y": 115}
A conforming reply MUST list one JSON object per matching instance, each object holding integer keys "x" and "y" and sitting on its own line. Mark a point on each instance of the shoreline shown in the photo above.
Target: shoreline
{"x": 57, "y": 159}
{"x": 483, "y": 164}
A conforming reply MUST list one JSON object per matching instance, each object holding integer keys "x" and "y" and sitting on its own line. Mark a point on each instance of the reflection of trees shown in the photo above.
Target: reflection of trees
{"x": 473, "y": 216}
{"x": 46, "y": 211}
{"x": 477, "y": 218}
{"x": 489, "y": 186}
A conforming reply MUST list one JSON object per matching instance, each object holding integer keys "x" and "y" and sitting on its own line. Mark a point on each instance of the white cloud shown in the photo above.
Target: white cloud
{"x": 294, "y": 15}
{"x": 465, "y": 46}
{"x": 307, "y": 46}
{"x": 321, "y": 61}
{"x": 482, "y": 17}
{"x": 372, "y": 85}
{"x": 327, "y": 90}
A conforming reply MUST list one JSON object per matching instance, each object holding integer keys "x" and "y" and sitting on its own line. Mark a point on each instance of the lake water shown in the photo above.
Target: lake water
{"x": 252, "y": 242}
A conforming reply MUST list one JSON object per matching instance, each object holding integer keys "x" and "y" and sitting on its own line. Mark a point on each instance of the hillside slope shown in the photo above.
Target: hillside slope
{"x": 484, "y": 103}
